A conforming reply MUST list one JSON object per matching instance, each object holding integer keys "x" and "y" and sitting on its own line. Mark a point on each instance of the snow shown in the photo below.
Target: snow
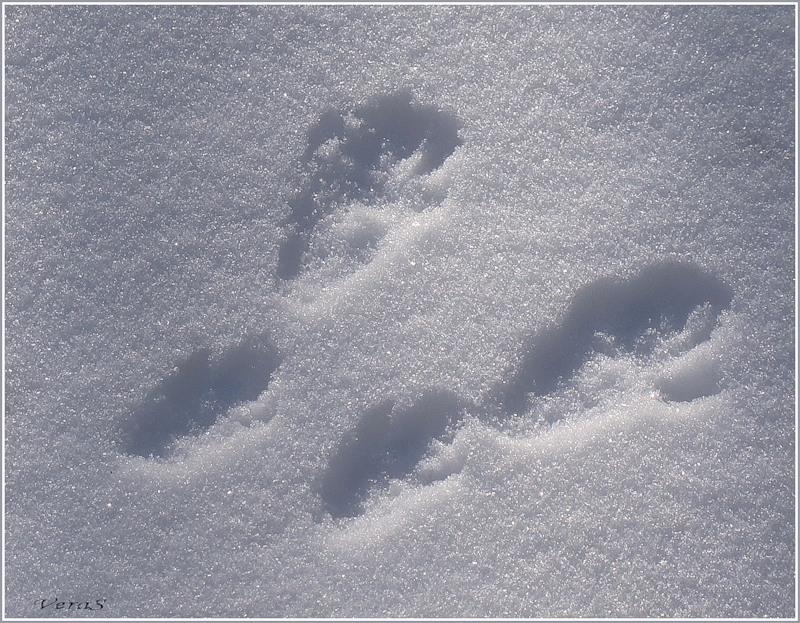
{"x": 400, "y": 311}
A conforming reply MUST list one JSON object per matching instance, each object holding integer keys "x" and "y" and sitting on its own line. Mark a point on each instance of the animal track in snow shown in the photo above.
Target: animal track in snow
{"x": 670, "y": 306}
{"x": 200, "y": 390}
{"x": 620, "y": 316}
{"x": 351, "y": 159}
{"x": 387, "y": 443}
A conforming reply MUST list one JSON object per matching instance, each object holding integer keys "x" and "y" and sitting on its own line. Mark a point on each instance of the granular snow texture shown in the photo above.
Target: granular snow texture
{"x": 400, "y": 311}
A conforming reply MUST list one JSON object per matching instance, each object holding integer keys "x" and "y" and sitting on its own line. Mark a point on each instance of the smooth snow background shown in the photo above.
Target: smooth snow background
{"x": 152, "y": 155}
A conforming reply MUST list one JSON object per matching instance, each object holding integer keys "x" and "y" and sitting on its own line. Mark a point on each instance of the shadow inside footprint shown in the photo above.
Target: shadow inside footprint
{"x": 348, "y": 155}
{"x": 387, "y": 443}
{"x": 661, "y": 296}
{"x": 197, "y": 393}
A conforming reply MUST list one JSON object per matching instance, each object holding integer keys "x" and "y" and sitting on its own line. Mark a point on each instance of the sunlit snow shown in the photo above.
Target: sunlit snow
{"x": 422, "y": 311}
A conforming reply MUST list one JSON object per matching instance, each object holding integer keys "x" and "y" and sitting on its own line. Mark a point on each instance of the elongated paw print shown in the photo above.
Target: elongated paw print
{"x": 387, "y": 443}
{"x": 614, "y": 317}
{"x": 197, "y": 393}
{"x": 355, "y": 161}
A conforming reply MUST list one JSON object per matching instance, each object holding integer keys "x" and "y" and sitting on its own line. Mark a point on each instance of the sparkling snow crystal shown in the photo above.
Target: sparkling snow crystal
{"x": 422, "y": 311}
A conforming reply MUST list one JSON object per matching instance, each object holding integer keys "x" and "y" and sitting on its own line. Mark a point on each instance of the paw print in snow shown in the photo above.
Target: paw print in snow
{"x": 357, "y": 161}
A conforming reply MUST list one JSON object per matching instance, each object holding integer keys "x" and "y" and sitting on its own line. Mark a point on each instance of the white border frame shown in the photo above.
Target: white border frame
{"x": 382, "y": 3}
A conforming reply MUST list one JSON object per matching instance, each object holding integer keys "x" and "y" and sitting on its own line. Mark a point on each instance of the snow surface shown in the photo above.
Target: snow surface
{"x": 383, "y": 311}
